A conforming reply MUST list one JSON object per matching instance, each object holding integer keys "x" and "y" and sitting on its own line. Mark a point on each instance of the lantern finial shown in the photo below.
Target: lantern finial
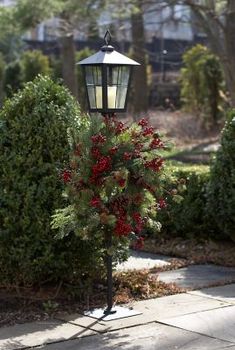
{"x": 107, "y": 37}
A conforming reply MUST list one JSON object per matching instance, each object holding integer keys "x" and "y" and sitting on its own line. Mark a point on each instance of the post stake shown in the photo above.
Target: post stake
{"x": 108, "y": 239}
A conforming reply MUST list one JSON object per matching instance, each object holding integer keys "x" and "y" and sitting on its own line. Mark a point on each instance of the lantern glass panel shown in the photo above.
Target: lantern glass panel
{"x": 118, "y": 80}
{"x": 93, "y": 76}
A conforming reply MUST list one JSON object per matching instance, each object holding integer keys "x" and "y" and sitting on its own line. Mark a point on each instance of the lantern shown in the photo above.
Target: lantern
{"x": 107, "y": 76}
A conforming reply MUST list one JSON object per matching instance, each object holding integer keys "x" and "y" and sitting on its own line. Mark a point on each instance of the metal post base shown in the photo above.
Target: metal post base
{"x": 109, "y": 311}
{"x": 115, "y": 313}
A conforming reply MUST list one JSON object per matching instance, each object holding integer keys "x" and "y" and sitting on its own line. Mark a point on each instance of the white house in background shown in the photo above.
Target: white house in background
{"x": 160, "y": 22}
{"x": 163, "y": 23}
{"x": 6, "y": 2}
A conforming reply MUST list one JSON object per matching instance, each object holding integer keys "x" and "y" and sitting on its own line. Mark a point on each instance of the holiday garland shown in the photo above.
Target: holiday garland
{"x": 114, "y": 180}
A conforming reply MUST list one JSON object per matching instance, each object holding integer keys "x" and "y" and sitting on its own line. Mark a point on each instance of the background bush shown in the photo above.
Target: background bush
{"x": 202, "y": 84}
{"x": 33, "y": 146}
{"x": 221, "y": 191}
{"x": 13, "y": 78}
{"x": 186, "y": 215}
{"x": 34, "y": 63}
{"x": 25, "y": 69}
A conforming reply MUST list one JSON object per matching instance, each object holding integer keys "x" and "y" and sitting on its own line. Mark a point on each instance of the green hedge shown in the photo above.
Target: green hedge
{"x": 186, "y": 214}
{"x": 221, "y": 191}
{"x": 33, "y": 146}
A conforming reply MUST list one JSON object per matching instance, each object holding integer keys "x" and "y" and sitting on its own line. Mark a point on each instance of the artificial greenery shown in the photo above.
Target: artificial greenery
{"x": 113, "y": 182}
{"x": 202, "y": 85}
{"x": 33, "y": 146}
{"x": 221, "y": 191}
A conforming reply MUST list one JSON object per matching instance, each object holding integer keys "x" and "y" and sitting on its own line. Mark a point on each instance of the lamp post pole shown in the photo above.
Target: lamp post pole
{"x": 107, "y": 75}
{"x": 109, "y": 261}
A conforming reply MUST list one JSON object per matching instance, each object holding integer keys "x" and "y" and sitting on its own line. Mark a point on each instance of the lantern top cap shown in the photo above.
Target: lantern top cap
{"x": 107, "y": 39}
{"x": 107, "y": 55}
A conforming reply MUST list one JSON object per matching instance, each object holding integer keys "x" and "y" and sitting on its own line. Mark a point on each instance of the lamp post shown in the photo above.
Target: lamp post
{"x": 107, "y": 76}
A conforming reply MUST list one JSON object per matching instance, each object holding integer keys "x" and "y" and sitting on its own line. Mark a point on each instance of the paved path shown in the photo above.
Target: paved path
{"x": 197, "y": 320}
{"x": 193, "y": 277}
{"x": 198, "y": 276}
{"x": 141, "y": 260}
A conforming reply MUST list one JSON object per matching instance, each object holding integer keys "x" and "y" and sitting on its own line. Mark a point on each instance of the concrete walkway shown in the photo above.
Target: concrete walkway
{"x": 141, "y": 260}
{"x": 197, "y": 320}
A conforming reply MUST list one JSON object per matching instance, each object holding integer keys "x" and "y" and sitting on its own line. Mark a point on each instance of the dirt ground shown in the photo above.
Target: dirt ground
{"x": 182, "y": 129}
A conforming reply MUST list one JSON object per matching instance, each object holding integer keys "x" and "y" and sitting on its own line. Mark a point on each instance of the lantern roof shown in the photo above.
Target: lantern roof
{"x": 107, "y": 55}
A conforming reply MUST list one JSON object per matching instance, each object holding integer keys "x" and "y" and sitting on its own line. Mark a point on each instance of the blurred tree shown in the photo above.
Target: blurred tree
{"x": 217, "y": 19}
{"x": 13, "y": 79}
{"x": 140, "y": 96}
{"x": 134, "y": 10}
{"x": 202, "y": 85}
{"x": 27, "y": 14}
{"x": 34, "y": 63}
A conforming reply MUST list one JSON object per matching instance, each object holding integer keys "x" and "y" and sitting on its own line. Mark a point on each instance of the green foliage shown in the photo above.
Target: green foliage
{"x": 27, "y": 13}
{"x": 13, "y": 78}
{"x": 33, "y": 145}
{"x": 34, "y": 63}
{"x": 11, "y": 46}
{"x": 202, "y": 84}
{"x": 56, "y": 67}
{"x": 221, "y": 192}
{"x": 186, "y": 214}
{"x": 80, "y": 55}
{"x": 25, "y": 69}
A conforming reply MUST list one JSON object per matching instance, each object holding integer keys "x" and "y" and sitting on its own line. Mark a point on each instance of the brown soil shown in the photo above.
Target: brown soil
{"x": 182, "y": 129}
{"x": 203, "y": 252}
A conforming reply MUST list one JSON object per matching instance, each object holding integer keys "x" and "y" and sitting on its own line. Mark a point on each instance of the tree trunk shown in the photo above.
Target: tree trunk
{"x": 140, "y": 88}
{"x": 68, "y": 64}
{"x": 229, "y": 41}
{"x": 221, "y": 35}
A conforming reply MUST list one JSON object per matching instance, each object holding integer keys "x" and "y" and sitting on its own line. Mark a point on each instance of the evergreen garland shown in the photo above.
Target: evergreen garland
{"x": 113, "y": 181}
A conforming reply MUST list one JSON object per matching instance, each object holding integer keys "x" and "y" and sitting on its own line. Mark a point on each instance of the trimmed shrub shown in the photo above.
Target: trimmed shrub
{"x": 34, "y": 63}
{"x": 221, "y": 190}
{"x": 202, "y": 84}
{"x": 13, "y": 78}
{"x": 186, "y": 214}
{"x": 33, "y": 145}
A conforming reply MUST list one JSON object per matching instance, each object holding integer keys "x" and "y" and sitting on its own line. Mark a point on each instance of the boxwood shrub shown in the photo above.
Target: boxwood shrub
{"x": 186, "y": 214}
{"x": 221, "y": 190}
{"x": 33, "y": 147}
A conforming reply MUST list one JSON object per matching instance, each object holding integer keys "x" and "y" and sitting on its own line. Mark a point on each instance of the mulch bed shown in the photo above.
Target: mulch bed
{"x": 39, "y": 304}
{"x": 194, "y": 251}
{"x": 42, "y": 304}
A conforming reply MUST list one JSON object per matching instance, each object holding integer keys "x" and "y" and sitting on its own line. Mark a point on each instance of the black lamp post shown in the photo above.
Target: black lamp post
{"x": 107, "y": 75}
